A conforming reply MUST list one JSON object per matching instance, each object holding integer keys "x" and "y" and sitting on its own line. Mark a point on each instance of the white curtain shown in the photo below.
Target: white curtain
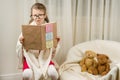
{"x": 81, "y": 20}
{"x": 96, "y": 19}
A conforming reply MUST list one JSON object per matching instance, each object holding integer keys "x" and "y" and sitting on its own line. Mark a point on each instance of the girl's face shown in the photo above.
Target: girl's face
{"x": 38, "y": 16}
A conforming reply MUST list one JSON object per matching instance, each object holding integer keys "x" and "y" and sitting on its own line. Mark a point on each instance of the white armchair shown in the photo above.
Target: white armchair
{"x": 70, "y": 69}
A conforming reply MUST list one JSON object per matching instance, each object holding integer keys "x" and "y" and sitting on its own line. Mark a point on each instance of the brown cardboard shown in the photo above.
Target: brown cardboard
{"x": 35, "y": 36}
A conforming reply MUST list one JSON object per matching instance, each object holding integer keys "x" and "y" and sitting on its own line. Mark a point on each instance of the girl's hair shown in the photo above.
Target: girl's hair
{"x": 39, "y": 6}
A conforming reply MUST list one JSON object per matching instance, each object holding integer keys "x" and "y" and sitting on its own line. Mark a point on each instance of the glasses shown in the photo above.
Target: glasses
{"x": 38, "y": 16}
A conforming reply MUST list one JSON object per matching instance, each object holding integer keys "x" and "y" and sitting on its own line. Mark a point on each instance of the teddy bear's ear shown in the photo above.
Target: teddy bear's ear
{"x": 107, "y": 57}
{"x": 98, "y": 54}
{"x": 109, "y": 61}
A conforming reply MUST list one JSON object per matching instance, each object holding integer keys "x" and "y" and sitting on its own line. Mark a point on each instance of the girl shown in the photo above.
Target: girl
{"x": 37, "y": 64}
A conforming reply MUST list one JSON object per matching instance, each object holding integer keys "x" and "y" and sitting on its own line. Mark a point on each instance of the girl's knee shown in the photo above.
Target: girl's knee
{"x": 52, "y": 72}
{"x": 27, "y": 74}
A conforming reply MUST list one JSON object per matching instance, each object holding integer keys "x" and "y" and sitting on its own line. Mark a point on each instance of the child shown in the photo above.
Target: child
{"x": 37, "y": 64}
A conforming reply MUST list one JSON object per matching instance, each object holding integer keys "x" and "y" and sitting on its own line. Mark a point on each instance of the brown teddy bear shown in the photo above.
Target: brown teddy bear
{"x": 88, "y": 63}
{"x": 103, "y": 64}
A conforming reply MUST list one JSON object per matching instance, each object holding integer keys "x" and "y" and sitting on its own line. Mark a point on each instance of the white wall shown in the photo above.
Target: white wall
{"x": 11, "y": 18}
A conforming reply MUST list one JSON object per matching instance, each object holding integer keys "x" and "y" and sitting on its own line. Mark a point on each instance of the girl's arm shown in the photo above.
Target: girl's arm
{"x": 19, "y": 51}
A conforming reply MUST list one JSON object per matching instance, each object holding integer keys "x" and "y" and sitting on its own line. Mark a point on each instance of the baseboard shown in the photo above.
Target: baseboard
{"x": 12, "y": 76}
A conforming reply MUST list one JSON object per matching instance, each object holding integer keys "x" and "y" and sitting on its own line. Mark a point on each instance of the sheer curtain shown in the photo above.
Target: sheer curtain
{"x": 81, "y": 20}
{"x": 96, "y": 19}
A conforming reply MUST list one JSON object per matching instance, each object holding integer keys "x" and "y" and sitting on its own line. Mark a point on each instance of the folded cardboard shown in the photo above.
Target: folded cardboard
{"x": 39, "y": 37}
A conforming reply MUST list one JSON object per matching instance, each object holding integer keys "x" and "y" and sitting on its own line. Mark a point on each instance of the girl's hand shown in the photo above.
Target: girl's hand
{"x": 21, "y": 39}
{"x": 58, "y": 39}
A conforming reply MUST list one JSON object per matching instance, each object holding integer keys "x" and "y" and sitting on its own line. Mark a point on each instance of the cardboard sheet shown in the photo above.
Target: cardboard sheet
{"x": 39, "y": 37}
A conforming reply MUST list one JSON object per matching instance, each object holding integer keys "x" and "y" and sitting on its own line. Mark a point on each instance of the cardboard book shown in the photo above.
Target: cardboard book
{"x": 39, "y": 37}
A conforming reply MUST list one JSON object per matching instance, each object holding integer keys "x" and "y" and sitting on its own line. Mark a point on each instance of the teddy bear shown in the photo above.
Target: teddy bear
{"x": 103, "y": 64}
{"x": 88, "y": 62}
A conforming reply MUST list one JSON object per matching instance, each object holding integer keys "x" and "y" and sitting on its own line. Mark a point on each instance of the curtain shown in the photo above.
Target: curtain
{"x": 81, "y": 20}
{"x": 96, "y": 19}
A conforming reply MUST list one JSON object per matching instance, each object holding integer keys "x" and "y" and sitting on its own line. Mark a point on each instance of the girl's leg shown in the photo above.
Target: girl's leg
{"x": 52, "y": 72}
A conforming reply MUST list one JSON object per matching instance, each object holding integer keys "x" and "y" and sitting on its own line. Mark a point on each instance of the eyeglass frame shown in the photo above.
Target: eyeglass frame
{"x": 38, "y": 16}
